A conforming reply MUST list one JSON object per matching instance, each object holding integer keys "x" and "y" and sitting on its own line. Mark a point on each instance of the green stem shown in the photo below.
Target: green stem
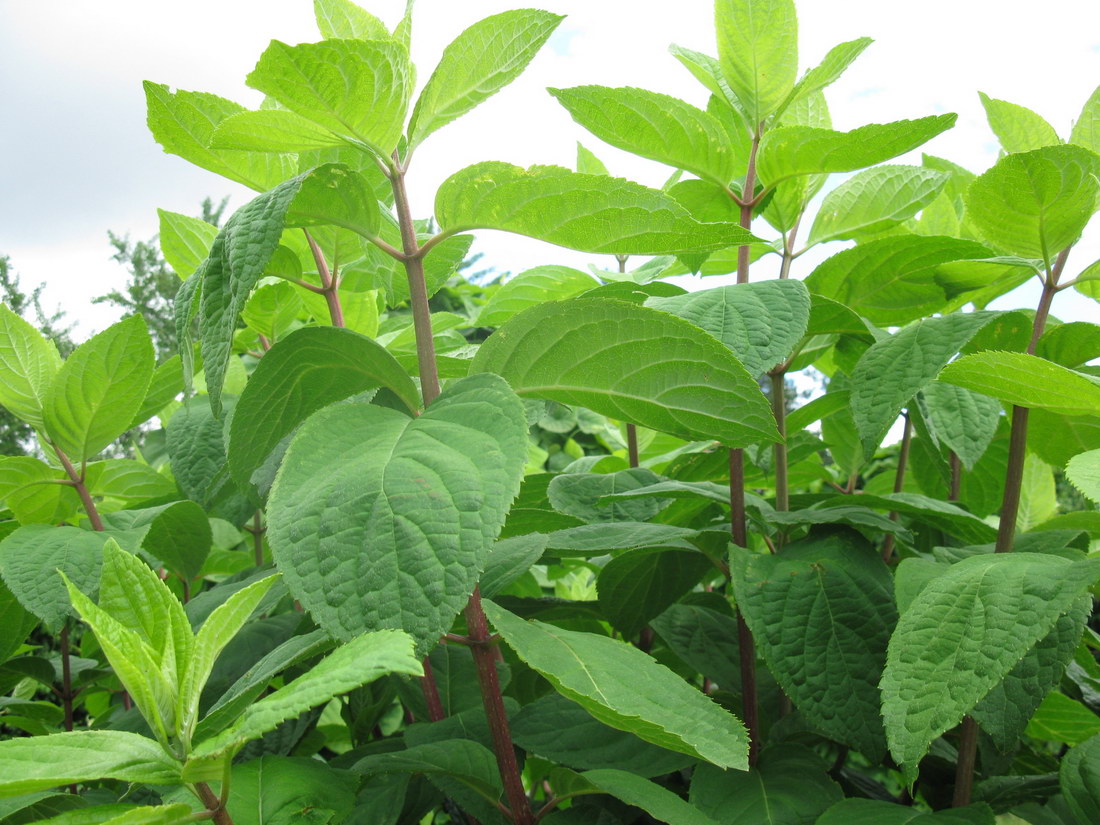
{"x": 257, "y": 530}
{"x": 476, "y": 622}
{"x": 77, "y": 481}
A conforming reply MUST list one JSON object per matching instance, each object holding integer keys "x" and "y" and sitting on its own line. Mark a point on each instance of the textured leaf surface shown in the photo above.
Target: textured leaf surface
{"x": 99, "y": 389}
{"x": 272, "y": 130}
{"x": 533, "y": 287}
{"x": 831, "y": 67}
{"x": 309, "y": 369}
{"x": 196, "y": 446}
{"x": 760, "y": 323}
{"x": 354, "y": 88}
{"x": 357, "y": 663}
{"x": 1086, "y": 129}
{"x": 275, "y": 789}
{"x": 632, "y": 363}
{"x": 1017, "y": 128}
{"x": 344, "y": 20}
{"x": 1083, "y": 471}
{"x": 578, "y": 494}
{"x": 40, "y": 762}
{"x": 479, "y": 63}
{"x": 184, "y": 241}
{"x": 962, "y": 634}
{"x": 656, "y": 126}
{"x": 183, "y": 124}
{"x": 961, "y": 420}
{"x": 1079, "y": 778}
{"x": 28, "y": 363}
{"x": 758, "y": 52}
{"x": 705, "y": 638}
{"x": 789, "y": 151}
{"x": 379, "y": 520}
{"x": 28, "y": 489}
{"x": 637, "y": 586}
{"x": 1025, "y": 380}
{"x": 942, "y": 515}
{"x": 788, "y": 786}
{"x": 822, "y": 611}
{"x": 895, "y": 369}
{"x": 593, "y": 539}
{"x": 624, "y": 688}
{"x": 875, "y": 200}
{"x": 591, "y": 213}
{"x": 1036, "y": 203}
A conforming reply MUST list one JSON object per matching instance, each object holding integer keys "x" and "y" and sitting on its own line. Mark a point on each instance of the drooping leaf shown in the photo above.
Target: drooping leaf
{"x": 479, "y": 63}
{"x": 463, "y": 759}
{"x": 942, "y": 515}
{"x": 962, "y": 634}
{"x": 875, "y": 200}
{"x": 533, "y": 287}
{"x": 790, "y": 151}
{"x": 1017, "y": 128}
{"x": 1026, "y": 381}
{"x": 1079, "y": 778}
{"x": 359, "y": 662}
{"x": 705, "y": 638}
{"x": 183, "y": 124}
{"x": 1036, "y": 203}
{"x": 822, "y": 611}
{"x": 596, "y": 539}
{"x": 357, "y": 89}
{"x": 659, "y": 127}
{"x": 624, "y": 688}
{"x": 760, "y": 323}
{"x": 637, "y": 586}
{"x": 309, "y": 369}
{"x": 378, "y": 520}
{"x": 632, "y": 363}
{"x": 1083, "y": 471}
{"x": 591, "y": 213}
{"x": 788, "y": 786}
{"x": 895, "y": 369}
{"x": 758, "y": 52}
{"x": 40, "y": 762}
{"x": 963, "y": 421}
{"x": 579, "y": 494}
{"x": 657, "y": 801}
{"x": 100, "y": 387}
{"x": 28, "y": 364}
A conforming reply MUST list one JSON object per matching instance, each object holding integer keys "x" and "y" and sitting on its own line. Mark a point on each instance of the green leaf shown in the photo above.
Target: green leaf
{"x": 790, "y": 151}
{"x": 657, "y": 801}
{"x": 622, "y": 687}
{"x": 184, "y": 241}
{"x": 1086, "y": 130}
{"x": 216, "y": 632}
{"x": 788, "y": 786}
{"x": 196, "y": 447}
{"x": 184, "y": 122}
{"x": 409, "y": 508}
{"x": 479, "y": 63}
{"x": 821, "y": 611}
{"x": 29, "y": 489}
{"x": 705, "y": 638}
{"x": 1026, "y": 381}
{"x": 758, "y": 52}
{"x": 1017, "y": 128}
{"x": 1038, "y": 500}
{"x": 941, "y": 515}
{"x": 509, "y": 559}
{"x": 963, "y": 421}
{"x": 1036, "y": 204}
{"x": 28, "y": 364}
{"x": 30, "y": 558}
{"x": 1079, "y": 778}
{"x": 309, "y": 369}
{"x": 40, "y": 762}
{"x": 588, "y": 163}
{"x": 638, "y": 585}
{"x": 760, "y": 323}
{"x": 344, "y": 20}
{"x": 631, "y": 363}
{"x": 591, "y": 213}
{"x": 875, "y": 200}
{"x": 596, "y": 539}
{"x": 579, "y": 494}
{"x": 563, "y": 731}
{"x": 531, "y": 288}
{"x": 467, "y": 761}
{"x": 1006, "y": 709}
{"x": 278, "y": 789}
{"x": 357, "y": 89}
{"x": 359, "y": 662}
{"x": 1071, "y": 345}
{"x": 857, "y": 811}
{"x": 1083, "y": 471}
{"x": 963, "y": 634}
{"x": 272, "y": 130}
{"x": 895, "y": 369}
{"x": 1061, "y": 719}
{"x": 99, "y": 389}
{"x": 825, "y": 73}
{"x": 18, "y": 622}
{"x": 659, "y": 127}
{"x": 891, "y": 281}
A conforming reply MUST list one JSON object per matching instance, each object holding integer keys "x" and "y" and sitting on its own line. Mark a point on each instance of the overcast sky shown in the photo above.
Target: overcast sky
{"x": 76, "y": 158}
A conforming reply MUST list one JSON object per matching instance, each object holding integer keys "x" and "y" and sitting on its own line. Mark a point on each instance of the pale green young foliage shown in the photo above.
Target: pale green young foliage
{"x": 344, "y": 20}
{"x": 272, "y": 130}
{"x": 28, "y": 363}
{"x": 588, "y": 163}
{"x": 379, "y": 520}
{"x": 962, "y": 634}
{"x": 1083, "y": 471}
{"x": 28, "y": 488}
{"x": 184, "y": 241}
{"x": 1086, "y": 129}
{"x": 1017, "y": 128}
{"x": 1026, "y": 381}
{"x": 99, "y": 389}
{"x": 626, "y": 689}
{"x": 591, "y": 213}
{"x": 1036, "y": 204}
{"x": 356, "y": 89}
{"x": 758, "y": 52}
{"x": 828, "y": 71}
{"x": 632, "y": 363}
{"x": 480, "y": 62}
{"x": 531, "y": 288}
{"x": 659, "y": 127}
{"x": 1038, "y": 499}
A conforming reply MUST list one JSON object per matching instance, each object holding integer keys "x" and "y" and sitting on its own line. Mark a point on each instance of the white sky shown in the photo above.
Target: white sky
{"x": 76, "y": 158}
